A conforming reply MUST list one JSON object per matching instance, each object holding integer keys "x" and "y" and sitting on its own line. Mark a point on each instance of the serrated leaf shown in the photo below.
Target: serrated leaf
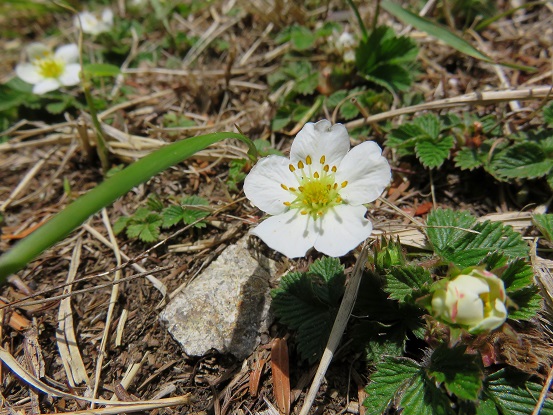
{"x": 154, "y": 203}
{"x": 378, "y": 340}
{"x": 308, "y": 84}
{"x": 486, "y": 407}
{"x": 402, "y": 383}
{"x": 445, "y": 225}
{"x": 468, "y": 159}
{"x": 120, "y": 224}
{"x": 548, "y": 114}
{"x": 390, "y": 376}
{"x": 430, "y": 124}
{"x": 517, "y": 275}
{"x": 528, "y": 301}
{"x": 513, "y": 394}
{"x": 433, "y": 153}
{"x": 308, "y": 303}
{"x": 544, "y": 222}
{"x": 302, "y": 38}
{"x": 469, "y": 247}
{"x": 147, "y": 230}
{"x": 525, "y": 160}
{"x": 402, "y": 282}
{"x": 458, "y": 371}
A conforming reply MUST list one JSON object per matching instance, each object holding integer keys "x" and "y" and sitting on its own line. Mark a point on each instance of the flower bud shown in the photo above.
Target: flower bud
{"x": 473, "y": 301}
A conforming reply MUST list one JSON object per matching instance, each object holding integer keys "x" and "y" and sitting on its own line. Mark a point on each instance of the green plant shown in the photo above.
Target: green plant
{"x": 422, "y": 365}
{"x": 386, "y": 59}
{"x": 145, "y": 223}
{"x": 104, "y": 194}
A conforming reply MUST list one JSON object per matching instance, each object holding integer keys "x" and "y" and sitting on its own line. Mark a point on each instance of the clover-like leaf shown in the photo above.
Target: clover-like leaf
{"x": 186, "y": 212}
{"x": 433, "y": 153}
{"x": 404, "y": 282}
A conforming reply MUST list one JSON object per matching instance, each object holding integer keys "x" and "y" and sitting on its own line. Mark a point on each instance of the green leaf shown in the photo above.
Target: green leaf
{"x": 521, "y": 161}
{"x": 517, "y": 275}
{"x": 186, "y": 213}
{"x": 146, "y": 228}
{"x": 528, "y": 301}
{"x": 387, "y": 59}
{"x": 432, "y": 154}
{"x": 442, "y": 33}
{"x": 487, "y": 407}
{"x": 544, "y": 222}
{"x": 101, "y": 69}
{"x": 104, "y": 194}
{"x": 120, "y": 224}
{"x": 302, "y": 38}
{"x": 308, "y": 303}
{"x": 402, "y": 383}
{"x": 407, "y": 281}
{"x": 430, "y": 124}
{"x": 548, "y": 114}
{"x": 468, "y": 158}
{"x": 513, "y": 394}
{"x": 458, "y": 371}
{"x": 458, "y": 239}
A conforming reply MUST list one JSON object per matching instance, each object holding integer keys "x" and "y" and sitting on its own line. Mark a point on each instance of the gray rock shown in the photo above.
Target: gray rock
{"x": 226, "y": 307}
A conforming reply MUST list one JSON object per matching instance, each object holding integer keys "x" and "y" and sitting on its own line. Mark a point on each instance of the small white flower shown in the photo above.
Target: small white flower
{"x": 345, "y": 45}
{"x": 317, "y": 195}
{"x": 474, "y": 301}
{"x": 48, "y": 70}
{"x": 93, "y": 24}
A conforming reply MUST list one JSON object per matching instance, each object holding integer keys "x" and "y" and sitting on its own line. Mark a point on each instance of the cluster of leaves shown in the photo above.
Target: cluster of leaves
{"x": 474, "y": 143}
{"x": 382, "y": 61}
{"x": 416, "y": 370}
{"x": 146, "y": 223}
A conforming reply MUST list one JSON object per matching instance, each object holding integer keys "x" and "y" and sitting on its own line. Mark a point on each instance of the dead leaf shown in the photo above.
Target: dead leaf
{"x": 281, "y": 375}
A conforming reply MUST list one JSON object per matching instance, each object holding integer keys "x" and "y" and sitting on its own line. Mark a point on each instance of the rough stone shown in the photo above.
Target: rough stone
{"x": 226, "y": 307}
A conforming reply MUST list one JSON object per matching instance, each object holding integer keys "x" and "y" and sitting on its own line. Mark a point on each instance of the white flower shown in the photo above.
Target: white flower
{"x": 317, "y": 195}
{"x": 345, "y": 45}
{"x": 93, "y": 24}
{"x": 475, "y": 301}
{"x": 48, "y": 70}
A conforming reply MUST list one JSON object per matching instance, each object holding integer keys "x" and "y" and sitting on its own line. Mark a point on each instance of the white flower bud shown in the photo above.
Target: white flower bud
{"x": 475, "y": 301}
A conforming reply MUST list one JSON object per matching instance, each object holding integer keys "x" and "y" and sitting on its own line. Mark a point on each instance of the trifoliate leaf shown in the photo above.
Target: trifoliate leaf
{"x": 404, "y": 282}
{"x": 433, "y": 153}
{"x": 458, "y": 371}
{"x": 302, "y": 38}
{"x": 378, "y": 340}
{"x": 154, "y": 203}
{"x": 430, "y": 124}
{"x": 458, "y": 239}
{"x": 308, "y": 303}
{"x": 147, "y": 228}
{"x": 186, "y": 213}
{"x": 526, "y": 160}
{"x": 513, "y": 394}
{"x": 544, "y": 222}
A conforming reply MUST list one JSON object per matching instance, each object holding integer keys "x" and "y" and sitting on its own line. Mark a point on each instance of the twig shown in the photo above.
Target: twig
{"x": 337, "y": 329}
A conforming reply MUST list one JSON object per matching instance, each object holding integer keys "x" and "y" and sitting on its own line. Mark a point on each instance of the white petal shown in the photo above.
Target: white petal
{"x": 470, "y": 309}
{"x": 318, "y": 139}
{"x": 47, "y": 85}
{"x": 342, "y": 229}
{"x": 68, "y": 53}
{"x": 107, "y": 17}
{"x": 262, "y": 185}
{"x": 28, "y": 72}
{"x": 71, "y": 74}
{"x": 37, "y": 50}
{"x": 291, "y": 233}
{"x": 366, "y": 171}
{"x": 467, "y": 284}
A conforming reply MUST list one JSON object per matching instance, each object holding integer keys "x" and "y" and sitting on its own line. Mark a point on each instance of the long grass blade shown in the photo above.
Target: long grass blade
{"x": 444, "y": 34}
{"x": 103, "y": 195}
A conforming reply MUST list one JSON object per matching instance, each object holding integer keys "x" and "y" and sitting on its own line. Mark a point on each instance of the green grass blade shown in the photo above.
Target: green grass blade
{"x": 485, "y": 23}
{"x": 442, "y": 33}
{"x": 103, "y": 195}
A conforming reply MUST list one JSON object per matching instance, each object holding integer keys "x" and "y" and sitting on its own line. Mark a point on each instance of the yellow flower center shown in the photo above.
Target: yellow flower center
{"x": 49, "y": 67}
{"x": 317, "y": 191}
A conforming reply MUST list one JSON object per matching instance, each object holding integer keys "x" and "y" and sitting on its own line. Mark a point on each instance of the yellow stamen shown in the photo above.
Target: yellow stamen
{"x": 316, "y": 175}
{"x": 300, "y": 165}
{"x": 304, "y": 212}
{"x": 344, "y": 184}
{"x": 334, "y": 169}
{"x": 284, "y": 186}
{"x": 323, "y": 159}
{"x": 300, "y": 188}
{"x": 308, "y": 160}
{"x": 292, "y": 168}
{"x": 292, "y": 189}
{"x": 326, "y": 167}
{"x": 287, "y": 204}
